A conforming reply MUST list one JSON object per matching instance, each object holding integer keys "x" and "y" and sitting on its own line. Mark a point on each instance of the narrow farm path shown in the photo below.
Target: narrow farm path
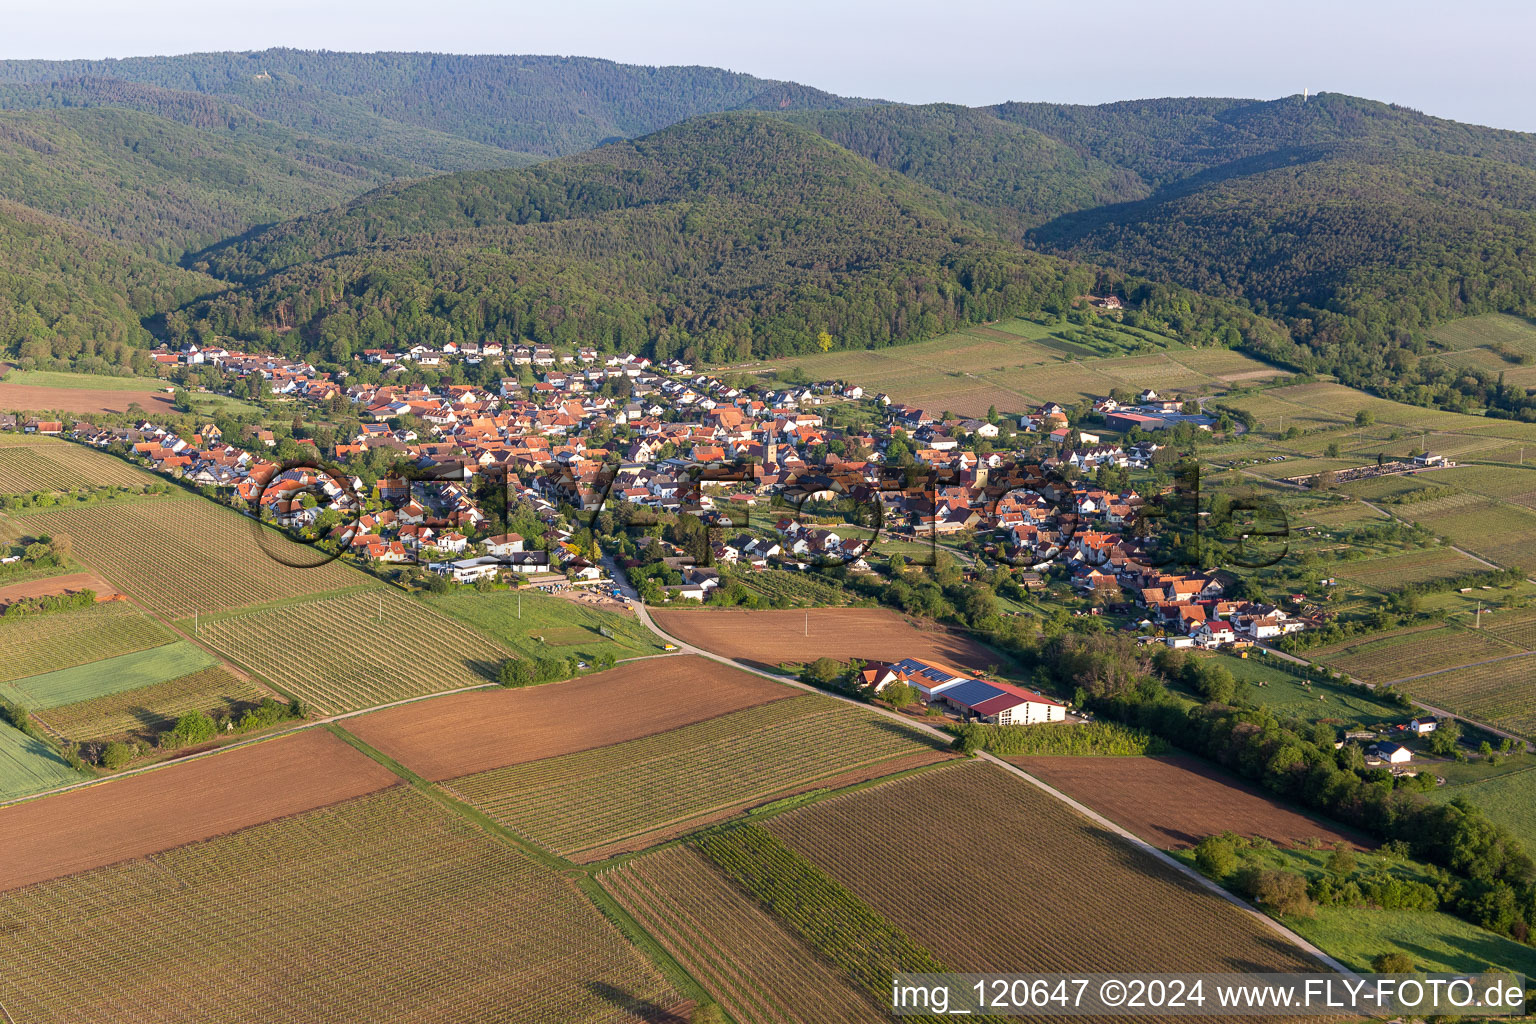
{"x": 1268, "y": 922}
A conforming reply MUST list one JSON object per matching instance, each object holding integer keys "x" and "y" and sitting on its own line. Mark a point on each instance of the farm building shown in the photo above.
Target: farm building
{"x": 925, "y": 678}
{"x": 1001, "y": 704}
{"x": 1422, "y": 726}
{"x": 1394, "y": 753}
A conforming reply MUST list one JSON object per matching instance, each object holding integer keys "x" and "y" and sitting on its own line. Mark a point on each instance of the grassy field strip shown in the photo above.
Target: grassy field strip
{"x": 30, "y": 766}
{"x": 34, "y": 644}
{"x": 140, "y": 713}
{"x": 580, "y": 802}
{"x": 740, "y": 952}
{"x": 109, "y": 676}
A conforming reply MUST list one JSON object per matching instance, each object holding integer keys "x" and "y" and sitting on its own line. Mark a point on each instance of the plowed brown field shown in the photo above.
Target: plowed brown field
{"x": 771, "y": 637}
{"x": 447, "y": 737}
{"x": 31, "y": 398}
{"x": 157, "y": 810}
{"x": 1175, "y": 801}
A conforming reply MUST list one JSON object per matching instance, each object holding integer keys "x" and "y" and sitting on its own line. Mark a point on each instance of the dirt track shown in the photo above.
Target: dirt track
{"x": 157, "y": 810}
{"x": 771, "y": 637}
{"x": 451, "y": 736}
{"x": 1175, "y": 801}
{"x": 29, "y": 398}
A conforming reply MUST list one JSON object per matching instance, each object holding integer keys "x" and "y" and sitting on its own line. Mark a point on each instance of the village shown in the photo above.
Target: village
{"x": 578, "y": 431}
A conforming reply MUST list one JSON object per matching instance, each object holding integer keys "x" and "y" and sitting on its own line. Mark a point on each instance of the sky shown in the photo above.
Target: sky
{"x": 1467, "y": 60}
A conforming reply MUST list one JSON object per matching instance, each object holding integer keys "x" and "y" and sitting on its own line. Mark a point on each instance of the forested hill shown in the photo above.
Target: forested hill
{"x": 735, "y": 233}
{"x": 71, "y": 295}
{"x": 1358, "y": 223}
{"x": 547, "y": 106}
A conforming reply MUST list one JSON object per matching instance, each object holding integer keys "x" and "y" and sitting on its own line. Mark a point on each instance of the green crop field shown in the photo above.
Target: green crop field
{"x": 30, "y": 766}
{"x": 190, "y": 555}
{"x": 33, "y": 644}
{"x": 1391, "y": 572}
{"x": 1500, "y": 692}
{"x": 1283, "y": 693}
{"x": 637, "y": 792}
{"x": 388, "y": 909}
{"x": 798, "y": 588}
{"x": 515, "y": 621}
{"x": 1508, "y": 799}
{"x": 1383, "y": 658}
{"x": 733, "y": 946}
{"x": 357, "y": 650}
{"x": 1016, "y": 364}
{"x": 1500, "y": 532}
{"x": 83, "y": 381}
{"x": 108, "y": 676}
{"x": 61, "y": 467}
{"x": 1435, "y": 941}
{"x": 144, "y": 711}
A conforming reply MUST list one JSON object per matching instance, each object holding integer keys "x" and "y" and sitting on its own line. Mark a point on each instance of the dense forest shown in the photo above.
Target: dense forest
{"x": 700, "y": 211}
{"x": 549, "y": 106}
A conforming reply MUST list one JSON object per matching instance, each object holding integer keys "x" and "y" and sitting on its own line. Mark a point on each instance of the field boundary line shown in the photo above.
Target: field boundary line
{"x": 1268, "y": 922}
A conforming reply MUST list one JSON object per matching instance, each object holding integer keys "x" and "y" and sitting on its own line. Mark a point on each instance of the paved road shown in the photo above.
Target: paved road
{"x": 938, "y": 734}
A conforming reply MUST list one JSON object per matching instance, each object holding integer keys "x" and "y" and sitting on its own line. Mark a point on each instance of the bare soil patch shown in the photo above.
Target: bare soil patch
{"x": 772, "y": 637}
{"x": 1174, "y": 801}
{"x": 476, "y": 731}
{"x": 72, "y": 583}
{"x": 30, "y": 398}
{"x": 185, "y": 802}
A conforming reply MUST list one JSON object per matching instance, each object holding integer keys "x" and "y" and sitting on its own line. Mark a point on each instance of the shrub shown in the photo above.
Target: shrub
{"x": 517, "y": 672}
{"x": 192, "y": 727}
{"x": 1216, "y": 856}
{"x": 1394, "y": 962}
{"x": 118, "y": 754}
{"x": 1283, "y": 892}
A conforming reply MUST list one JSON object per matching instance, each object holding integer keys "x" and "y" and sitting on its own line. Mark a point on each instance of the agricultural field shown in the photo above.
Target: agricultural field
{"x": 82, "y": 401}
{"x": 85, "y": 381}
{"x": 357, "y": 650}
{"x": 52, "y": 465}
{"x": 143, "y": 712}
{"x": 772, "y": 637}
{"x": 58, "y": 584}
{"x": 1018, "y": 363}
{"x": 1391, "y": 572}
{"x": 30, "y": 766}
{"x": 537, "y": 625}
{"x": 591, "y": 805}
{"x": 798, "y": 588}
{"x": 1385, "y": 658}
{"x": 1283, "y": 692}
{"x": 1501, "y": 532}
{"x": 740, "y": 952}
{"x": 1516, "y": 626}
{"x": 191, "y": 556}
{"x": 1507, "y": 798}
{"x": 1499, "y": 693}
{"x": 1435, "y": 941}
{"x": 465, "y": 733}
{"x": 108, "y": 676}
{"x": 181, "y": 802}
{"x": 1175, "y": 800}
{"x": 33, "y": 644}
{"x": 880, "y": 843}
{"x": 388, "y": 908}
